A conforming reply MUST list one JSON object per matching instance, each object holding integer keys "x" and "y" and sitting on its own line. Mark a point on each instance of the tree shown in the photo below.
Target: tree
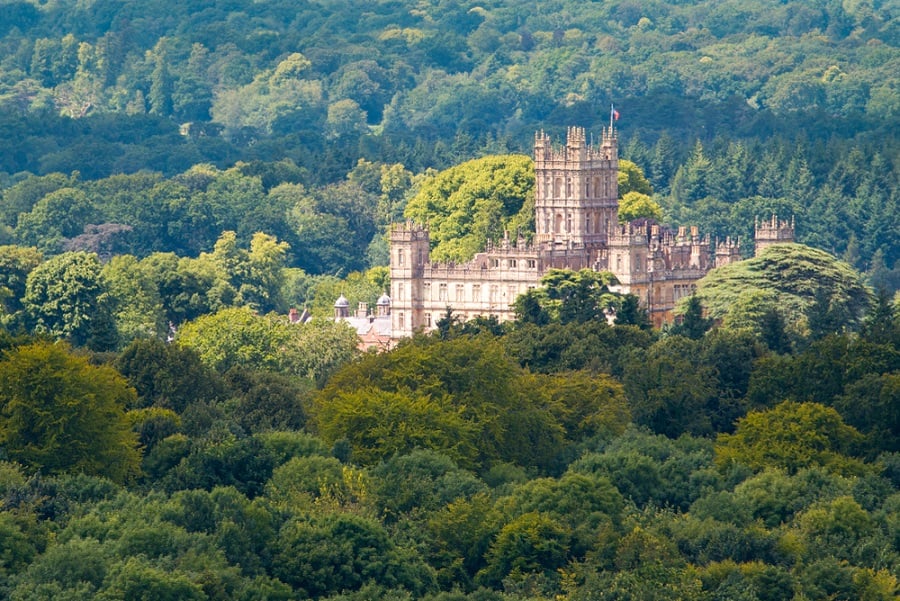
{"x": 463, "y": 396}
{"x": 58, "y": 215}
{"x": 634, "y": 205}
{"x": 167, "y": 375}
{"x": 240, "y": 338}
{"x": 61, "y": 414}
{"x": 578, "y": 296}
{"x": 336, "y": 552}
{"x": 469, "y": 204}
{"x": 65, "y": 298}
{"x": 669, "y": 389}
{"x": 532, "y": 543}
{"x": 693, "y": 325}
{"x": 631, "y": 179}
{"x": 630, "y": 313}
{"x": 134, "y": 299}
{"x": 16, "y": 262}
{"x": 791, "y": 436}
{"x": 791, "y": 275}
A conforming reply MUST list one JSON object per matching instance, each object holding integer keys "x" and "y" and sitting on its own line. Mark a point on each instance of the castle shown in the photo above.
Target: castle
{"x": 576, "y": 227}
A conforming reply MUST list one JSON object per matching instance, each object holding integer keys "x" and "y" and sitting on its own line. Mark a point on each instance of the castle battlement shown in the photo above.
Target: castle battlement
{"x": 774, "y": 231}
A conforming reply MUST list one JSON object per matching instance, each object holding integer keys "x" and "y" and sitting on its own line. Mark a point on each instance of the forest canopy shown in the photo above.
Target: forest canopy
{"x": 177, "y": 176}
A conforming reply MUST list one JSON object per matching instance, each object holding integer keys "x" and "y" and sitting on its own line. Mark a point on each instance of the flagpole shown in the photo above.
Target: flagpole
{"x": 612, "y": 112}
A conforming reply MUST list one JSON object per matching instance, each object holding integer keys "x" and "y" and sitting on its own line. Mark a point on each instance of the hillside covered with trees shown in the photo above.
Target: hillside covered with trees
{"x": 732, "y": 110}
{"x": 175, "y": 176}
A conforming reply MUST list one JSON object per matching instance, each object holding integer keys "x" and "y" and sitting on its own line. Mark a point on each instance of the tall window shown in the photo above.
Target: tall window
{"x": 476, "y": 293}
{"x": 460, "y": 293}
{"x": 442, "y": 292}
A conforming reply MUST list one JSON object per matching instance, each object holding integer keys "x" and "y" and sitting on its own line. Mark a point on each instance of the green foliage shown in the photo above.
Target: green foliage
{"x": 787, "y": 277}
{"x": 574, "y": 346}
{"x": 791, "y": 436}
{"x": 167, "y": 375}
{"x": 61, "y": 414}
{"x": 65, "y": 297}
{"x": 341, "y": 552}
{"x": 462, "y": 396}
{"x": 474, "y": 202}
{"x": 632, "y": 184}
{"x": 634, "y": 205}
{"x": 238, "y": 337}
{"x": 16, "y": 262}
{"x": 669, "y": 389}
{"x": 422, "y": 481}
{"x": 380, "y": 423}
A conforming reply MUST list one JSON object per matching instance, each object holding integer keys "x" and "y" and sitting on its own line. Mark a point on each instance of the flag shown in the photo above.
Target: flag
{"x": 615, "y": 115}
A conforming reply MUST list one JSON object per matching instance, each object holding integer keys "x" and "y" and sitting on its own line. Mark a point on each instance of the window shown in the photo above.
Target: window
{"x": 428, "y": 320}
{"x": 442, "y": 292}
{"x": 568, "y": 223}
{"x": 401, "y": 321}
{"x": 476, "y": 293}
{"x": 495, "y": 262}
{"x": 512, "y": 263}
{"x": 400, "y": 256}
{"x": 495, "y": 293}
{"x": 426, "y": 290}
{"x": 401, "y": 292}
{"x": 511, "y": 293}
{"x": 532, "y": 263}
{"x": 460, "y": 293}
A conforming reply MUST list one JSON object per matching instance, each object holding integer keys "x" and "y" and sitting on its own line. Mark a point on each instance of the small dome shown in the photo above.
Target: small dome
{"x": 341, "y": 302}
{"x": 383, "y": 301}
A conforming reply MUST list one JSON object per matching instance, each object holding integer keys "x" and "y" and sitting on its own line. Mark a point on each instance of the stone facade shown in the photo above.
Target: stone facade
{"x": 576, "y": 223}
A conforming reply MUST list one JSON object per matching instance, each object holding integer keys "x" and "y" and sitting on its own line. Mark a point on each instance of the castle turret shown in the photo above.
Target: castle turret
{"x": 769, "y": 233}
{"x": 341, "y": 308}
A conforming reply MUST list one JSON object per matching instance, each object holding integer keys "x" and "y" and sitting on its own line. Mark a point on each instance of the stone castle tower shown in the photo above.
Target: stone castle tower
{"x": 576, "y": 189}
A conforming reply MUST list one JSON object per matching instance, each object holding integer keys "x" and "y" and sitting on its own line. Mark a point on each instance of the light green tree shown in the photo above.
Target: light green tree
{"x": 60, "y": 414}
{"x": 791, "y": 436}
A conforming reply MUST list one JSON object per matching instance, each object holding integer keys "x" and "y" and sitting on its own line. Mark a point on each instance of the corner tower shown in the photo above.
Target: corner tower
{"x": 576, "y": 189}
{"x": 409, "y": 256}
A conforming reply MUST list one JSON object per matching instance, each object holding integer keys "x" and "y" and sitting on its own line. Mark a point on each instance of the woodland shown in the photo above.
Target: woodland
{"x": 175, "y": 176}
